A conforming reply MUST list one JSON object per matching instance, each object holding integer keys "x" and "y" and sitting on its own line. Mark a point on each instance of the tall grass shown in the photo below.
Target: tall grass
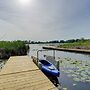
{"x": 78, "y": 45}
{"x": 12, "y": 48}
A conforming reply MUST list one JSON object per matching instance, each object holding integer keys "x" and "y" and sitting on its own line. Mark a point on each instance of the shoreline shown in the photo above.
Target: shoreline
{"x": 67, "y": 49}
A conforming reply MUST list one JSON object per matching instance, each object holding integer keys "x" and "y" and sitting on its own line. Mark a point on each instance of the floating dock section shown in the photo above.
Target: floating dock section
{"x": 67, "y": 49}
{"x": 20, "y": 73}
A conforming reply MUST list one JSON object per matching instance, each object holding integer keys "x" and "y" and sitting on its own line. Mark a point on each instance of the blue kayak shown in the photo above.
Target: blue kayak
{"x": 48, "y": 68}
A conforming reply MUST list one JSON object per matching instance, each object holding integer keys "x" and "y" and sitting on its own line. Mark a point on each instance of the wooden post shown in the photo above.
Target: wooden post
{"x": 54, "y": 54}
{"x": 37, "y": 57}
{"x": 58, "y": 65}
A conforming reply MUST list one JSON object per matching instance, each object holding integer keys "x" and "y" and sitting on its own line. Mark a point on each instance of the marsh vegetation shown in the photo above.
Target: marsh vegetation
{"x": 82, "y": 44}
{"x": 12, "y": 48}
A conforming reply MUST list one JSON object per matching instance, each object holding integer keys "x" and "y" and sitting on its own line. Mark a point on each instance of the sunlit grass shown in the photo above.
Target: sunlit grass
{"x": 77, "y": 45}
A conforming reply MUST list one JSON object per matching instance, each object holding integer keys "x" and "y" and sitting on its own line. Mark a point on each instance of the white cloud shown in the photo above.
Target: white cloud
{"x": 44, "y": 19}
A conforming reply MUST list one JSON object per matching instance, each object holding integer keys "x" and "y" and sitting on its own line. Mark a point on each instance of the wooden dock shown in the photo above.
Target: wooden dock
{"x": 67, "y": 49}
{"x": 20, "y": 73}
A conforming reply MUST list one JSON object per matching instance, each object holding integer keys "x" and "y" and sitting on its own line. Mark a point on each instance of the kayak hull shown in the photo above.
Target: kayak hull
{"x": 49, "y": 68}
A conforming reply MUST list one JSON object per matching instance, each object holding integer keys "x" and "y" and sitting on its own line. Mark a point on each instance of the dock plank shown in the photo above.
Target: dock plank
{"x": 18, "y": 64}
{"x": 20, "y": 73}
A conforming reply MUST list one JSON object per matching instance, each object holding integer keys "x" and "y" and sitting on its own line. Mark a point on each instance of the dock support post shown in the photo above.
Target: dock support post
{"x": 37, "y": 57}
{"x": 54, "y": 54}
{"x": 58, "y": 65}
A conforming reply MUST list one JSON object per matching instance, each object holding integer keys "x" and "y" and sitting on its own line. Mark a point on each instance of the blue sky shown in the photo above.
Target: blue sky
{"x": 44, "y": 19}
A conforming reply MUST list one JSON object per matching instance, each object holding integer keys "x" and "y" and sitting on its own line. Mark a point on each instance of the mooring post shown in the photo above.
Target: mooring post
{"x": 58, "y": 64}
{"x": 54, "y": 54}
{"x": 37, "y": 57}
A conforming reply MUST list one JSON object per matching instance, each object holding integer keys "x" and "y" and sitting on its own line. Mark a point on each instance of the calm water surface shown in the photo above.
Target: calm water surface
{"x": 67, "y": 83}
{"x": 2, "y": 63}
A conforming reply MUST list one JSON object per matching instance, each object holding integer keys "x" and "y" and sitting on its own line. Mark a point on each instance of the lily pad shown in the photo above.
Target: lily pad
{"x": 88, "y": 81}
{"x": 74, "y": 84}
{"x": 65, "y": 89}
{"x": 73, "y": 75}
{"x": 76, "y": 79}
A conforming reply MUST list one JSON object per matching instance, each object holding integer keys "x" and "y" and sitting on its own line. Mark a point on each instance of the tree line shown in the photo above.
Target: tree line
{"x": 56, "y": 41}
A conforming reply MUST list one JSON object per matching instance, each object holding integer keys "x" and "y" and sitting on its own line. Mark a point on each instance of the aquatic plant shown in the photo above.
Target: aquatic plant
{"x": 79, "y": 70}
{"x": 65, "y": 89}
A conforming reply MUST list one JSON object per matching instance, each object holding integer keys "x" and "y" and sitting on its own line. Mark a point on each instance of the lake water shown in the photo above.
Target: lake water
{"x": 2, "y": 63}
{"x": 74, "y": 67}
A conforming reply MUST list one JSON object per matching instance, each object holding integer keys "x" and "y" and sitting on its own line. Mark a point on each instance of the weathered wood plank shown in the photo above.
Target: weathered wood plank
{"x": 18, "y": 64}
{"x": 20, "y": 73}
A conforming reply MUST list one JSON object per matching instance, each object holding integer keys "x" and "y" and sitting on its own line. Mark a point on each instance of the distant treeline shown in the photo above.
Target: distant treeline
{"x": 12, "y": 48}
{"x": 56, "y": 41}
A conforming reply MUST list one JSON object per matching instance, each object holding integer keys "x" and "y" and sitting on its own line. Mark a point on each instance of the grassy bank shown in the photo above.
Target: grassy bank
{"x": 77, "y": 45}
{"x": 12, "y": 48}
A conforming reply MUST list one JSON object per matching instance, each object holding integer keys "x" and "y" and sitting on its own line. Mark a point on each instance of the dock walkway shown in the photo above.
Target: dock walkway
{"x": 20, "y": 73}
{"x": 67, "y": 49}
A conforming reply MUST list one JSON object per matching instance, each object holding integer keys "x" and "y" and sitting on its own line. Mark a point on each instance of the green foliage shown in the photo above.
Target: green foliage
{"x": 13, "y": 48}
{"x": 83, "y": 44}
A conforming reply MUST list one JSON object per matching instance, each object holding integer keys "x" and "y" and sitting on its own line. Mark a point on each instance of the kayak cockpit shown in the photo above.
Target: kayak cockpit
{"x": 45, "y": 62}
